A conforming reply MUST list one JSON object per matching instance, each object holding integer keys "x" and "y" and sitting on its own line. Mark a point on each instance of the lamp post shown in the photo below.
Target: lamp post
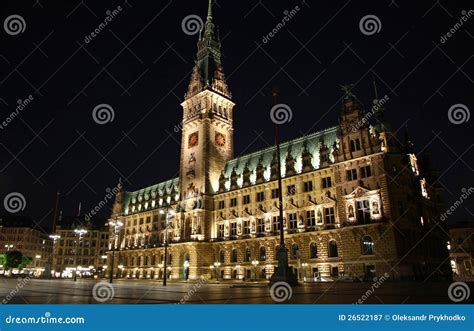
{"x": 168, "y": 214}
{"x": 255, "y": 264}
{"x": 79, "y": 233}
{"x": 282, "y": 272}
{"x": 304, "y": 265}
{"x": 47, "y": 269}
{"x": 116, "y": 225}
{"x": 8, "y": 247}
{"x": 216, "y": 268}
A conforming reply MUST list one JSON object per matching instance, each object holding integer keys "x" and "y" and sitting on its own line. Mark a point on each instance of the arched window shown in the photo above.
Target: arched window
{"x": 221, "y": 256}
{"x": 367, "y": 245}
{"x": 332, "y": 249}
{"x": 313, "y": 251}
{"x": 262, "y": 254}
{"x": 248, "y": 255}
{"x": 294, "y": 251}
{"x": 233, "y": 256}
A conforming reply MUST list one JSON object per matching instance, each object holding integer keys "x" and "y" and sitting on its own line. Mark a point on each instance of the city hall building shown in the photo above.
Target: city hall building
{"x": 356, "y": 200}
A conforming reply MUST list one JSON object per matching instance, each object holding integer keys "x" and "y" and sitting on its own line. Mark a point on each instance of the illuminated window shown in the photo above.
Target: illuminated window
{"x": 246, "y": 226}
{"x": 262, "y": 254}
{"x": 310, "y": 218}
{"x": 233, "y": 229}
{"x": 293, "y": 221}
{"x": 260, "y": 225}
{"x": 367, "y": 245}
{"x": 329, "y": 215}
{"x": 276, "y": 223}
{"x": 220, "y": 231}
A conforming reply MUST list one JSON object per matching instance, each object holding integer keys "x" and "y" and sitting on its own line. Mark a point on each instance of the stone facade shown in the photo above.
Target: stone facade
{"x": 356, "y": 201}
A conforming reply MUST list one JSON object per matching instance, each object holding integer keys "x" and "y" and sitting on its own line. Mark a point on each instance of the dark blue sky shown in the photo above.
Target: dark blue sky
{"x": 140, "y": 65}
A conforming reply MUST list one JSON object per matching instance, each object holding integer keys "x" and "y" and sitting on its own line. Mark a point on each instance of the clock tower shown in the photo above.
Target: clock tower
{"x": 207, "y": 133}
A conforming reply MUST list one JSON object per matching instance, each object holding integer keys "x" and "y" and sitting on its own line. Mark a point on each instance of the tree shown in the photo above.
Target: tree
{"x": 13, "y": 259}
{"x": 25, "y": 261}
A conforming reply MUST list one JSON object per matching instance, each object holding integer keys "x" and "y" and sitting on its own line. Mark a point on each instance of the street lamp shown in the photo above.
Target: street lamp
{"x": 116, "y": 225}
{"x": 55, "y": 238}
{"x": 283, "y": 271}
{"x": 169, "y": 213}
{"x": 304, "y": 265}
{"x": 79, "y": 233}
{"x": 255, "y": 264}
{"x": 8, "y": 247}
{"x": 216, "y": 266}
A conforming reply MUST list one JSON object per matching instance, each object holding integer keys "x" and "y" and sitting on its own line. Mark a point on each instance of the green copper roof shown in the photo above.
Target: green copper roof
{"x": 152, "y": 197}
{"x": 313, "y": 143}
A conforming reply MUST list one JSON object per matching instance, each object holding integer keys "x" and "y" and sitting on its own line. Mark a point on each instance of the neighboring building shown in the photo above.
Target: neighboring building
{"x": 29, "y": 241}
{"x": 356, "y": 201}
{"x": 461, "y": 248}
{"x": 86, "y": 251}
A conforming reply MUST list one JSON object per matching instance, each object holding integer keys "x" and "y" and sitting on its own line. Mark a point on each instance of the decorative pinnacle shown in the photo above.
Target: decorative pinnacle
{"x": 209, "y": 11}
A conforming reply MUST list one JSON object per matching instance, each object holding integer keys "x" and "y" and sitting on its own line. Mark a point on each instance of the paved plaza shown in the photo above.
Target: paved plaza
{"x": 149, "y": 292}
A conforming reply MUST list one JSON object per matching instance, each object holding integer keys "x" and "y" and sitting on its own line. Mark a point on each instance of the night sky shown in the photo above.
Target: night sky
{"x": 140, "y": 65}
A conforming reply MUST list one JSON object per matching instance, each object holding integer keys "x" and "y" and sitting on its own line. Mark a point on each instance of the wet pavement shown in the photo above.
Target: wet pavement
{"x": 147, "y": 291}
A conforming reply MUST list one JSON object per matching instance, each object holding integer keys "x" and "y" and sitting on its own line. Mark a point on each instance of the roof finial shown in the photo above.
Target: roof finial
{"x": 209, "y": 11}
{"x": 375, "y": 88}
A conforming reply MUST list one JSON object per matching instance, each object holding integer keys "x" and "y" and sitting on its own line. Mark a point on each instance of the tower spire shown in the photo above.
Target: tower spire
{"x": 209, "y": 11}
{"x": 208, "y": 72}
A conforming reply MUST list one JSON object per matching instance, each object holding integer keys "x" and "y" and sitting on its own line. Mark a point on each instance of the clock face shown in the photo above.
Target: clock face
{"x": 193, "y": 140}
{"x": 220, "y": 139}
